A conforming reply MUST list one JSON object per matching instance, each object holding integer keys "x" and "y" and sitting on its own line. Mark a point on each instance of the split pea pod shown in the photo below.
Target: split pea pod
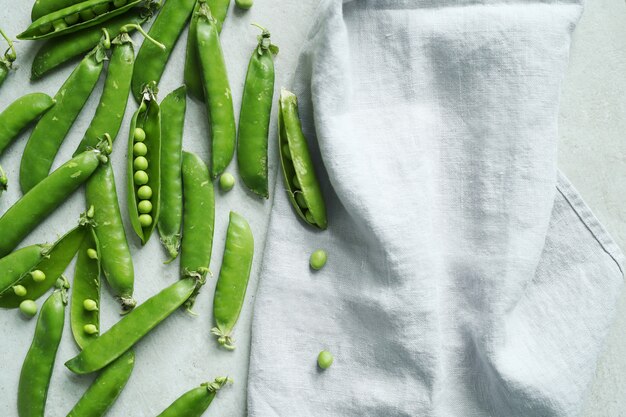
{"x": 44, "y": 7}
{"x": 195, "y": 402}
{"x": 18, "y": 263}
{"x": 52, "y": 128}
{"x": 173, "y": 109}
{"x": 232, "y": 283}
{"x": 144, "y": 182}
{"x": 132, "y": 327}
{"x": 302, "y": 185}
{"x": 219, "y": 9}
{"x": 76, "y": 17}
{"x": 37, "y": 368}
{"x": 254, "y": 119}
{"x": 19, "y": 114}
{"x": 6, "y": 61}
{"x": 167, "y": 27}
{"x": 219, "y": 100}
{"x": 198, "y": 217}
{"x": 21, "y": 218}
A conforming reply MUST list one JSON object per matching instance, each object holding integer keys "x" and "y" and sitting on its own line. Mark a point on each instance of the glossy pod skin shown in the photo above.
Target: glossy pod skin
{"x": 52, "y": 128}
{"x": 219, "y": 100}
{"x": 21, "y": 218}
{"x": 74, "y": 18}
{"x": 193, "y": 81}
{"x": 296, "y": 163}
{"x": 173, "y": 109}
{"x": 198, "y": 217}
{"x": 18, "y": 263}
{"x": 105, "y": 389}
{"x": 44, "y": 7}
{"x": 19, "y": 114}
{"x": 151, "y": 59}
{"x": 86, "y": 286}
{"x": 132, "y": 327}
{"x": 232, "y": 283}
{"x": 37, "y": 368}
{"x": 254, "y": 118}
{"x": 195, "y": 402}
{"x": 147, "y": 118}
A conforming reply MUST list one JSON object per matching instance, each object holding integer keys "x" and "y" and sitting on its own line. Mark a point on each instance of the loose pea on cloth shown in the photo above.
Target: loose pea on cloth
{"x": 465, "y": 275}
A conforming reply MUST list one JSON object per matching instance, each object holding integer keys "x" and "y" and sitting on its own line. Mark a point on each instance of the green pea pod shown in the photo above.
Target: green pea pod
{"x": 52, "y": 128}
{"x": 151, "y": 59}
{"x": 19, "y": 114}
{"x": 173, "y": 109}
{"x": 115, "y": 257}
{"x": 20, "y": 219}
{"x": 52, "y": 265}
{"x": 198, "y": 217}
{"x": 219, "y": 100}
{"x": 297, "y": 163}
{"x": 74, "y": 18}
{"x": 105, "y": 389}
{"x": 44, "y": 7}
{"x": 232, "y": 283}
{"x": 60, "y": 50}
{"x": 132, "y": 327}
{"x": 86, "y": 286}
{"x": 193, "y": 81}
{"x": 147, "y": 118}
{"x": 18, "y": 263}
{"x": 254, "y": 118}
{"x": 195, "y": 402}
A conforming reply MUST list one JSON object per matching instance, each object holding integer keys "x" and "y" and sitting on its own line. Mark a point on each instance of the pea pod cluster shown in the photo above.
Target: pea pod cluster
{"x": 302, "y": 185}
{"x": 195, "y": 402}
{"x": 144, "y": 166}
{"x": 6, "y": 61}
{"x": 254, "y": 118}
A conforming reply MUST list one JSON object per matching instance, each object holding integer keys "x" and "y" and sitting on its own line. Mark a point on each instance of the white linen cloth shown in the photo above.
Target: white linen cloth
{"x": 466, "y": 277}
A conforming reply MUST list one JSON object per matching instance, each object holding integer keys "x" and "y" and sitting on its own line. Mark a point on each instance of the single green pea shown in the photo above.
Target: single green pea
{"x": 59, "y": 24}
{"x": 318, "y": 259}
{"x": 20, "y": 290}
{"x": 309, "y": 217}
{"x": 139, "y": 135}
{"x": 141, "y": 177}
{"x": 28, "y": 308}
{"x": 286, "y": 151}
{"x": 140, "y": 163}
{"x": 90, "y": 329}
{"x": 45, "y": 28}
{"x": 296, "y": 182}
{"x": 140, "y": 149}
{"x": 244, "y": 4}
{"x": 301, "y": 201}
{"x": 90, "y": 305}
{"x": 145, "y": 220}
{"x": 92, "y": 253}
{"x": 144, "y": 206}
{"x": 87, "y": 15}
{"x": 72, "y": 19}
{"x": 227, "y": 182}
{"x": 325, "y": 359}
{"x": 38, "y": 276}
{"x": 119, "y": 3}
{"x": 101, "y": 8}
{"x": 144, "y": 192}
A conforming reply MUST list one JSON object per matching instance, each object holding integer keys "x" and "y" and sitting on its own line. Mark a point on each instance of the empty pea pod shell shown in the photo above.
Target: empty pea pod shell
{"x": 44, "y": 7}
{"x": 19, "y": 114}
{"x": 195, "y": 402}
{"x": 18, "y": 263}
{"x": 296, "y": 162}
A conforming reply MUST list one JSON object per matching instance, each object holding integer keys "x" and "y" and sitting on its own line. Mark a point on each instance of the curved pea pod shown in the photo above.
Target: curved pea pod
{"x": 219, "y": 100}
{"x": 193, "y": 81}
{"x": 108, "y": 385}
{"x": 44, "y": 7}
{"x": 21, "y": 218}
{"x": 74, "y": 18}
{"x": 297, "y": 164}
{"x": 132, "y": 327}
{"x": 115, "y": 257}
{"x": 198, "y": 217}
{"x": 52, "y": 128}
{"x": 147, "y": 118}
{"x": 18, "y": 263}
{"x": 151, "y": 59}
{"x": 254, "y": 118}
{"x": 52, "y": 265}
{"x": 173, "y": 109}
{"x": 232, "y": 283}
{"x": 86, "y": 287}
{"x": 19, "y": 114}
{"x": 37, "y": 368}
{"x": 195, "y": 402}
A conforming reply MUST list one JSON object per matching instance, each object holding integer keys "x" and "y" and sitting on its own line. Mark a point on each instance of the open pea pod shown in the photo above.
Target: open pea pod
{"x": 303, "y": 187}
{"x": 77, "y": 17}
{"x": 14, "y": 265}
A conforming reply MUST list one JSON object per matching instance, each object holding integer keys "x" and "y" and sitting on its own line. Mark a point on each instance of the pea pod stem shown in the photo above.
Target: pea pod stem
{"x": 128, "y": 27}
{"x": 10, "y": 55}
{"x": 6, "y": 61}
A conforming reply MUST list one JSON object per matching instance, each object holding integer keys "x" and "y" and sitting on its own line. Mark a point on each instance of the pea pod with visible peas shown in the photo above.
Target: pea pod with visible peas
{"x": 219, "y": 100}
{"x": 134, "y": 326}
{"x": 6, "y": 62}
{"x": 18, "y": 263}
{"x": 144, "y": 151}
{"x": 44, "y": 7}
{"x": 232, "y": 283}
{"x": 52, "y": 128}
{"x": 37, "y": 368}
{"x": 254, "y": 118}
{"x": 19, "y": 114}
{"x": 302, "y": 185}
{"x": 195, "y": 402}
